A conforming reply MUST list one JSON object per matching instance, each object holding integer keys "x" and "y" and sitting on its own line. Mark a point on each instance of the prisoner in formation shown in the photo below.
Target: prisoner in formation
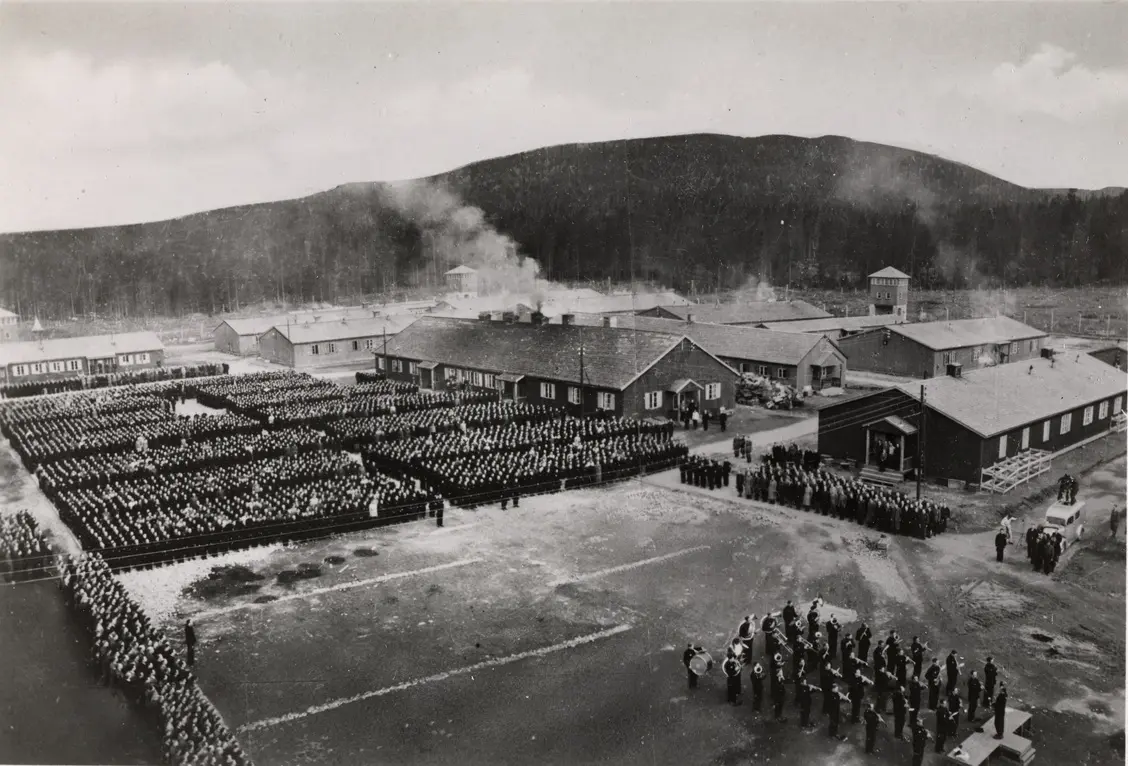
{"x": 704, "y": 472}
{"x": 872, "y": 672}
{"x": 823, "y": 492}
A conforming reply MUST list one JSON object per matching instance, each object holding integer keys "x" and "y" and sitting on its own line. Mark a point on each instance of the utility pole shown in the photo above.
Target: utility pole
{"x": 920, "y": 443}
{"x": 581, "y": 372}
{"x": 385, "y": 351}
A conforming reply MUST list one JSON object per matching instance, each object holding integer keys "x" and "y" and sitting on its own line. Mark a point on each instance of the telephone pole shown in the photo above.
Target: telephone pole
{"x": 920, "y": 443}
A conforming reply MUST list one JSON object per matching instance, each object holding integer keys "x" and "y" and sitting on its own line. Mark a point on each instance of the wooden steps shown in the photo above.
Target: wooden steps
{"x": 887, "y": 478}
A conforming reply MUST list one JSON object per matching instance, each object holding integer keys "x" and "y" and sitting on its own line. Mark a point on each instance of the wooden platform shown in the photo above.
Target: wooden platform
{"x": 980, "y": 747}
{"x": 888, "y": 478}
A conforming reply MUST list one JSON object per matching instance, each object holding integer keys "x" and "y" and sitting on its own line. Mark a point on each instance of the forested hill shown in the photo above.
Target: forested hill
{"x": 705, "y": 211}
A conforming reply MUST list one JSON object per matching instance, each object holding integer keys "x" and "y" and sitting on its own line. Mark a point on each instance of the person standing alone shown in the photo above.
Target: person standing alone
{"x": 190, "y": 641}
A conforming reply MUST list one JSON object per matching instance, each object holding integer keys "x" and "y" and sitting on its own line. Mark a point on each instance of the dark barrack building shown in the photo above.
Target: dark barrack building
{"x": 581, "y": 369}
{"x": 925, "y": 349}
{"x": 976, "y": 419}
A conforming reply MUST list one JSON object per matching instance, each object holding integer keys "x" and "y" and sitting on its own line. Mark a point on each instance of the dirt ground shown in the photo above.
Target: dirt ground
{"x": 552, "y": 633}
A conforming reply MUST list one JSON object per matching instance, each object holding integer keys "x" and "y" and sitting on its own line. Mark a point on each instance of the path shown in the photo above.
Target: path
{"x": 21, "y": 492}
{"x": 761, "y": 439}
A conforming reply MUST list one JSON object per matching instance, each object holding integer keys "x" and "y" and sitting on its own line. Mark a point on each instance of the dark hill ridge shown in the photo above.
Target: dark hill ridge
{"x": 693, "y": 211}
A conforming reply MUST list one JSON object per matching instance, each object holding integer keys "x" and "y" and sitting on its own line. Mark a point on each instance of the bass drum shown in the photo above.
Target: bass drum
{"x": 701, "y": 663}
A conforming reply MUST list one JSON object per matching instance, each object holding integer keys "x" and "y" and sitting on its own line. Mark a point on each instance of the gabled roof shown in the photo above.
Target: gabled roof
{"x": 751, "y": 312}
{"x": 612, "y": 358}
{"x": 963, "y": 333}
{"x": 729, "y": 341}
{"x": 849, "y": 324}
{"x": 326, "y": 331}
{"x": 613, "y": 304}
{"x": 461, "y": 270}
{"x": 890, "y": 273}
{"x": 6, "y": 313}
{"x": 254, "y": 325}
{"x": 90, "y": 347}
{"x": 997, "y": 399}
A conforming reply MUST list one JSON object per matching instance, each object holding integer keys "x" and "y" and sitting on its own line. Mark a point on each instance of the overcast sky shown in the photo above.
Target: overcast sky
{"x": 135, "y": 112}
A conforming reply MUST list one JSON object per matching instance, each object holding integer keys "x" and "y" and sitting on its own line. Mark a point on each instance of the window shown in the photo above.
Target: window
{"x": 489, "y": 380}
{"x": 712, "y": 391}
{"x": 1117, "y": 404}
{"x": 315, "y": 349}
{"x": 1002, "y": 446}
{"x": 74, "y": 365}
{"x": 605, "y": 400}
{"x": 356, "y": 345}
{"x": 573, "y": 395}
{"x": 397, "y": 366}
{"x": 380, "y": 363}
{"x": 413, "y": 368}
{"x": 56, "y": 366}
{"x": 1026, "y": 438}
{"x": 1087, "y": 416}
{"x": 1066, "y": 422}
{"x": 369, "y": 344}
{"x": 781, "y": 372}
{"x": 19, "y": 370}
{"x": 1014, "y": 347}
{"x": 36, "y": 368}
{"x": 332, "y": 348}
{"x": 548, "y": 390}
{"x": 1102, "y": 413}
{"x": 652, "y": 400}
{"x": 126, "y": 359}
{"x": 1029, "y": 345}
{"x": 1046, "y": 431}
{"x": 763, "y": 370}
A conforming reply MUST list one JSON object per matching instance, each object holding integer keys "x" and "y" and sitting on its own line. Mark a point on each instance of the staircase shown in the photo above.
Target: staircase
{"x": 889, "y": 478}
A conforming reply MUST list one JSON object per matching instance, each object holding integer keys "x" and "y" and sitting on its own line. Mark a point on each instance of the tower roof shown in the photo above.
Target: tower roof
{"x": 462, "y": 270}
{"x": 890, "y": 273}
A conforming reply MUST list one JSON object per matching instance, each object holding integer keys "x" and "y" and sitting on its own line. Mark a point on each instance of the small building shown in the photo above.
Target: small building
{"x": 581, "y": 369}
{"x": 1115, "y": 355}
{"x": 403, "y": 307}
{"x": 835, "y": 327}
{"x": 796, "y": 359}
{"x": 889, "y": 293}
{"x": 241, "y": 336}
{"x": 30, "y": 361}
{"x": 749, "y": 313}
{"x": 9, "y": 325}
{"x": 974, "y": 420}
{"x": 925, "y": 349}
{"x": 329, "y": 343}
{"x": 462, "y": 279}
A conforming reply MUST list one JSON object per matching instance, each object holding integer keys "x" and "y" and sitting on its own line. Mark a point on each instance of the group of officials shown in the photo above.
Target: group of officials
{"x": 795, "y": 647}
{"x": 131, "y": 655}
{"x": 792, "y": 482}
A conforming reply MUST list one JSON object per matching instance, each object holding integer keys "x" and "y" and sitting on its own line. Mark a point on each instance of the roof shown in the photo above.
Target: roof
{"x": 89, "y": 347}
{"x": 680, "y": 384}
{"x": 848, "y": 324}
{"x": 962, "y": 333}
{"x": 612, "y": 358}
{"x": 321, "y": 332}
{"x": 622, "y": 303}
{"x": 254, "y": 325}
{"x": 997, "y": 399}
{"x": 6, "y": 313}
{"x": 750, "y": 312}
{"x": 461, "y": 270}
{"x": 900, "y": 424}
{"x": 890, "y": 273}
{"x": 730, "y": 341}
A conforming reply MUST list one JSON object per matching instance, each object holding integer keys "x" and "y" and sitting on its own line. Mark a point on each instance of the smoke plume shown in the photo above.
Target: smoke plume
{"x": 754, "y": 289}
{"x": 879, "y": 182}
{"x": 460, "y": 235}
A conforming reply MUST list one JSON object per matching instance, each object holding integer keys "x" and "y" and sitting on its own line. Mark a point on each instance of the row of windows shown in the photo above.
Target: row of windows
{"x": 331, "y": 348}
{"x": 72, "y": 365}
{"x": 1065, "y": 424}
{"x": 976, "y": 351}
{"x": 765, "y": 371}
{"x": 888, "y": 281}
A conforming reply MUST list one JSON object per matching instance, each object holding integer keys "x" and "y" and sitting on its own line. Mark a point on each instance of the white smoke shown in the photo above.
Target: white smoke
{"x": 878, "y": 182}
{"x": 754, "y": 289}
{"x": 461, "y": 236}
{"x": 986, "y": 359}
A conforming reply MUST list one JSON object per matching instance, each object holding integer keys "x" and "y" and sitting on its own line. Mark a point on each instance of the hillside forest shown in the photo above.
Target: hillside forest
{"x": 699, "y": 214}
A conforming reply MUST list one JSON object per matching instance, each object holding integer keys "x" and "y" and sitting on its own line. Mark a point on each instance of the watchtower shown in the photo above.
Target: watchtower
{"x": 889, "y": 293}
{"x": 462, "y": 279}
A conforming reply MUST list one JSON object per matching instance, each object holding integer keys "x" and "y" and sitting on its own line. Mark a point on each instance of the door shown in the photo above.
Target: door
{"x": 1002, "y": 447}
{"x": 426, "y": 378}
{"x": 1026, "y": 438}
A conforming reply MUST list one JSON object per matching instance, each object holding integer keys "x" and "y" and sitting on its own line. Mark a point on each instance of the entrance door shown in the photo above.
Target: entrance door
{"x": 426, "y": 378}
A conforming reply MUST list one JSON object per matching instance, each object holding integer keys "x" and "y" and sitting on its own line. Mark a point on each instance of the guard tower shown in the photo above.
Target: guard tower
{"x": 462, "y": 279}
{"x": 889, "y": 293}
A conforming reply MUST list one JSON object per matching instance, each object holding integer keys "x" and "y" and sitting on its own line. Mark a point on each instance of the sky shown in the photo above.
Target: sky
{"x": 132, "y": 112}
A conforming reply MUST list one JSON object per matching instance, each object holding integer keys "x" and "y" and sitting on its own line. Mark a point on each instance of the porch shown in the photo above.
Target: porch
{"x": 682, "y": 398}
{"x": 891, "y": 444}
{"x": 825, "y": 372}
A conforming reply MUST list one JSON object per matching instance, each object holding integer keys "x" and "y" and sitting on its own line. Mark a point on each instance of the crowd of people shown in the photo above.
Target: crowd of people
{"x": 1043, "y": 548}
{"x": 109, "y": 380}
{"x": 133, "y": 656}
{"x": 789, "y": 477}
{"x": 354, "y": 433}
{"x": 361, "y": 405}
{"x": 857, "y": 673}
{"x": 24, "y": 553}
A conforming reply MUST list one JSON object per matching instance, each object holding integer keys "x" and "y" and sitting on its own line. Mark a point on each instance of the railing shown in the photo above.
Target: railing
{"x": 1007, "y": 474}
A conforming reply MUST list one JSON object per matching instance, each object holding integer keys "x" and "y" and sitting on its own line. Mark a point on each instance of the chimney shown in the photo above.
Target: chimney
{"x": 567, "y": 319}
{"x": 689, "y": 318}
{"x": 955, "y": 370}
{"x": 610, "y": 321}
